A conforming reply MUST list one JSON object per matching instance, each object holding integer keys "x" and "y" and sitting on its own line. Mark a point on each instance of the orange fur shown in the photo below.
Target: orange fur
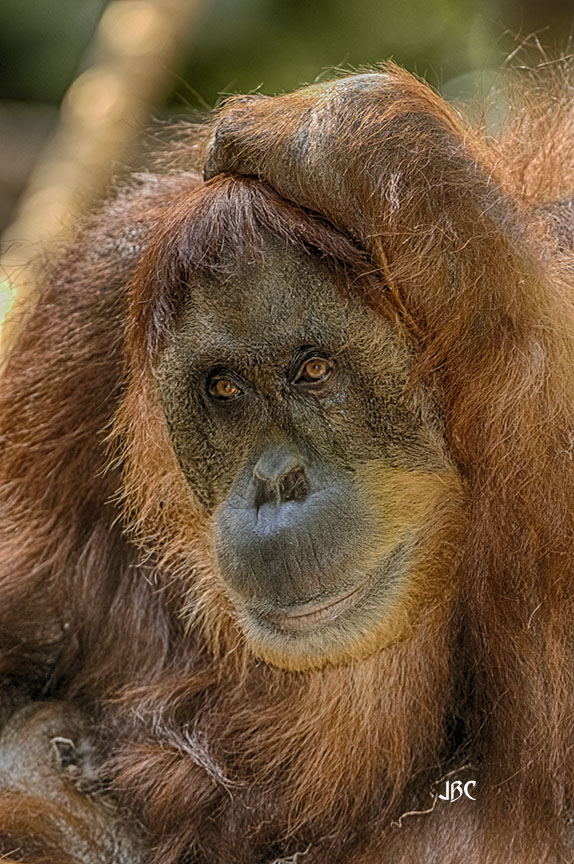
{"x": 221, "y": 755}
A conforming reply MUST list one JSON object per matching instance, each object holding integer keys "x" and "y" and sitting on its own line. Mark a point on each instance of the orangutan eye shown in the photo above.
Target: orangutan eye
{"x": 315, "y": 370}
{"x": 221, "y": 387}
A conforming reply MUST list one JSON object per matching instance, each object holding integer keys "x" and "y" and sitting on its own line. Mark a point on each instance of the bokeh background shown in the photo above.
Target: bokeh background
{"x": 81, "y": 81}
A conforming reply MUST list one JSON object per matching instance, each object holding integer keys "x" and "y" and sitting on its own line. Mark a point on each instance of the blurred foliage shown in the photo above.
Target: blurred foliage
{"x": 41, "y": 44}
{"x": 280, "y": 44}
{"x": 240, "y": 45}
{"x": 243, "y": 45}
{"x": 233, "y": 46}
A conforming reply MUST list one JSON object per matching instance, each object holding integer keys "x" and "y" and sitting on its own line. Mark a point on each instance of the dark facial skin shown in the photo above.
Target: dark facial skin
{"x": 284, "y": 394}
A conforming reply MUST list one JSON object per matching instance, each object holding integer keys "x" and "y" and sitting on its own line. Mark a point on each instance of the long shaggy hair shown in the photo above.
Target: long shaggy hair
{"x": 103, "y": 545}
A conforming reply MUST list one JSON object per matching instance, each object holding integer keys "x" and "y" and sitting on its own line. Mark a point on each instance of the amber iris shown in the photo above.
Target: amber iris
{"x": 314, "y": 370}
{"x": 223, "y": 388}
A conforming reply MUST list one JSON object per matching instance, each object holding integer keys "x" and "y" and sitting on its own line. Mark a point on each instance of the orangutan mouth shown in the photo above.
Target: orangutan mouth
{"x": 304, "y": 618}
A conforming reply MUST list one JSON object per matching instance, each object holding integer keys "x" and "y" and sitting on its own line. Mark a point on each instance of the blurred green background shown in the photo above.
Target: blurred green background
{"x": 240, "y": 45}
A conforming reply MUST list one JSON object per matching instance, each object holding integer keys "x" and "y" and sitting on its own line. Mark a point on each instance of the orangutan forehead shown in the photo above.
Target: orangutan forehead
{"x": 274, "y": 295}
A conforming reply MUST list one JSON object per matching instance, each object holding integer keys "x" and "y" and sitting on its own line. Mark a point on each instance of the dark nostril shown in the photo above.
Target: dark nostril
{"x": 293, "y": 486}
{"x": 280, "y": 477}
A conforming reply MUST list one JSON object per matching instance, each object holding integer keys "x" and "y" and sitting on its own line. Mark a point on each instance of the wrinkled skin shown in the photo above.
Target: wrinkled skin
{"x": 301, "y": 477}
{"x": 306, "y": 541}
